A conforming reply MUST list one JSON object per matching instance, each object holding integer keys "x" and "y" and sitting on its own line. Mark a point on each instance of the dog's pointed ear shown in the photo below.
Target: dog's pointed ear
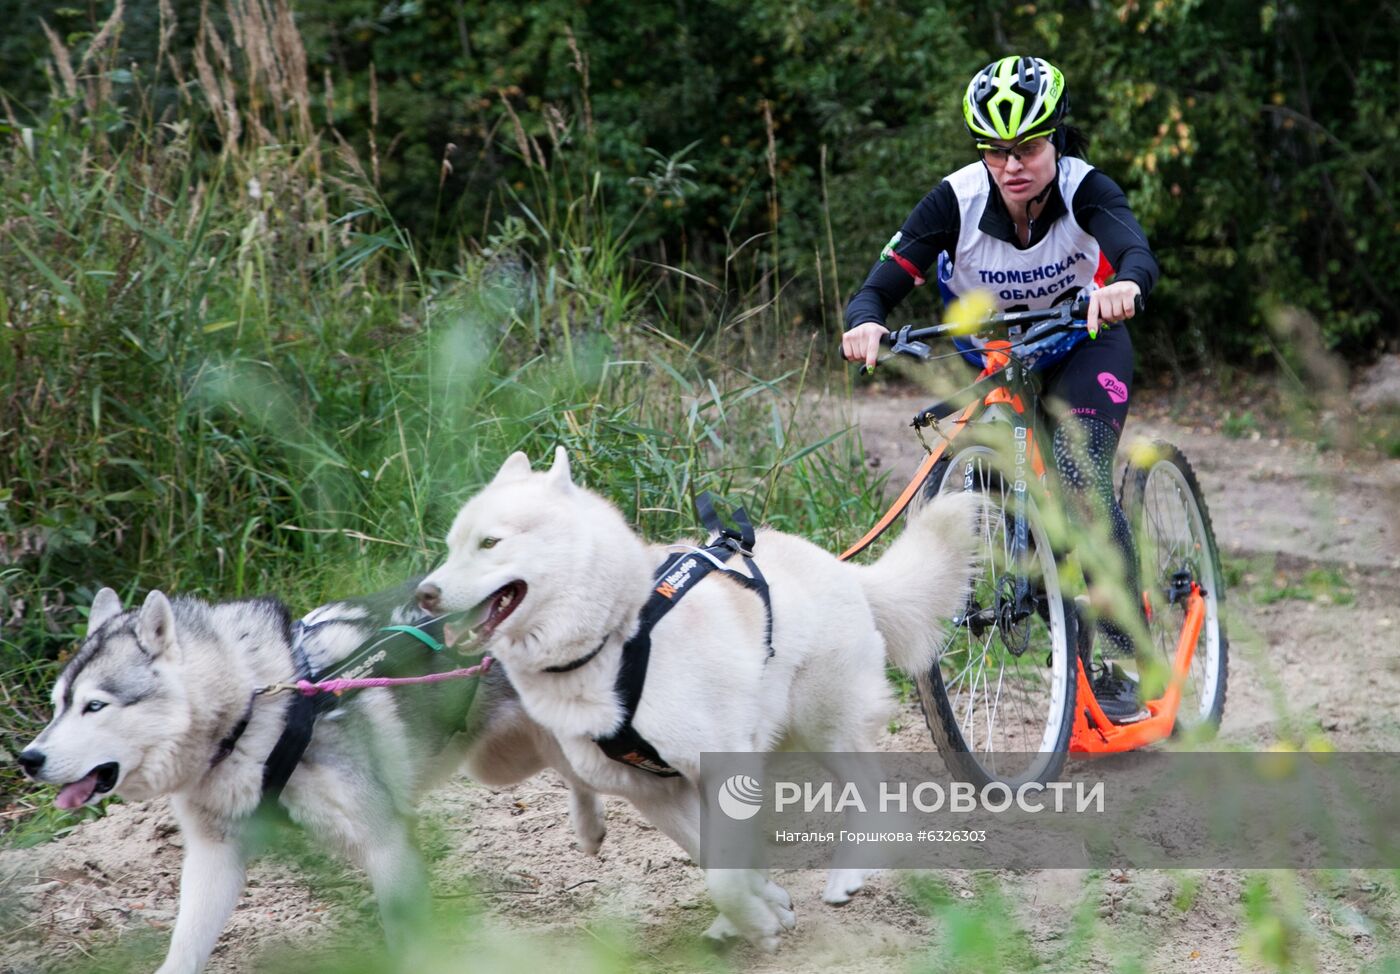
{"x": 107, "y": 604}
{"x": 560, "y": 475}
{"x": 155, "y": 627}
{"x": 517, "y": 465}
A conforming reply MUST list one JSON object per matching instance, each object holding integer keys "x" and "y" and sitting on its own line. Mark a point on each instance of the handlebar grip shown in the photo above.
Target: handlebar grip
{"x": 1080, "y": 308}
{"x": 887, "y": 340}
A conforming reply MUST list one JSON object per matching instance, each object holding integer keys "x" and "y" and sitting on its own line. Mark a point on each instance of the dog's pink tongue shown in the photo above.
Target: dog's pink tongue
{"x": 76, "y": 794}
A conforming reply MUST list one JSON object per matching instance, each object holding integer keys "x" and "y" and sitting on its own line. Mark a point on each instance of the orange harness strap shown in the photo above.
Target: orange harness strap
{"x": 908, "y": 494}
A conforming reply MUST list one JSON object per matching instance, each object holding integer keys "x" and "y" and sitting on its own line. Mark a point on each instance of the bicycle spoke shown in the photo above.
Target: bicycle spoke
{"x": 994, "y": 703}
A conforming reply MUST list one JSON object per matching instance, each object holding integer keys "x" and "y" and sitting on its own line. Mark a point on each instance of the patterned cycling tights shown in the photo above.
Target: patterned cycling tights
{"x": 1084, "y": 448}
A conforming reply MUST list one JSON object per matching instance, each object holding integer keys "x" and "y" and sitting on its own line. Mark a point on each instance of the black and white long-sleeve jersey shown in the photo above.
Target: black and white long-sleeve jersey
{"x": 963, "y": 232}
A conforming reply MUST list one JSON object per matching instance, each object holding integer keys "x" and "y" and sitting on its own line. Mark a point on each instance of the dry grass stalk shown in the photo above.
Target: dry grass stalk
{"x": 264, "y": 54}
{"x": 373, "y": 122}
{"x": 257, "y": 51}
{"x": 218, "y": 89}
{"x": 558, "y": 127}
{"x": 168, "y": 25}
{"x": 227, "y": 93}
{"x": 772, "y": 162}
{"x": 104, "y": 36}
{"x": 530, "y": 150}
{"x": 445, "y": 169}
{"x": 262, "y": 72}
{"x": 61, "y": 61}
{"x": 291, "y": 55}
{"x": 830, "y": 237}
{"x": 581, "y": 66}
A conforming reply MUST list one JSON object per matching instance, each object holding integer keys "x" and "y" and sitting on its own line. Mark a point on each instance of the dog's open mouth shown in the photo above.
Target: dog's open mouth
{"x": 98, "y": 781}
{"x": 497, "y": 608}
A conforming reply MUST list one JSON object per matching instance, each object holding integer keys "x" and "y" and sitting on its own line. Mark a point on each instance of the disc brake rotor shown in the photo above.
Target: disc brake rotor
{"x": 1015, "y": 634}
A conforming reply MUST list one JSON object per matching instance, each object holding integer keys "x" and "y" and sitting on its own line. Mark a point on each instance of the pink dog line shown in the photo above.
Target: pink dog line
{"x": 309, "y": 689}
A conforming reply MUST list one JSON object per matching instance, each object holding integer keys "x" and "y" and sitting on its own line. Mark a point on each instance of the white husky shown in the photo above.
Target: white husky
{"x": 157, "y": 702}
{"x": 557, "y": 577}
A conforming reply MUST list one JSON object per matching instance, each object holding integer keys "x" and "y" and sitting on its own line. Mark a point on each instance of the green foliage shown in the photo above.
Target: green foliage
{"x": 1268, "y": 583}
{"x": 979, "y": 931}
{"x": 1186, "y": 893}
{"x": 1238, "y": 425}
{"x": 1252, "y": 140}
{"x": 1275, "y": 925}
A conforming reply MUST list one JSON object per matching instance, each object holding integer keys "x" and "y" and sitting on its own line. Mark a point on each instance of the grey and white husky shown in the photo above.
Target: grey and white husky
{"x": 159, "y": 701}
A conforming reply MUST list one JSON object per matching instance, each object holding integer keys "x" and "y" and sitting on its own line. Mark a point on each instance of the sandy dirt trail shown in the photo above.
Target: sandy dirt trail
{"x": 1280, "y": 507}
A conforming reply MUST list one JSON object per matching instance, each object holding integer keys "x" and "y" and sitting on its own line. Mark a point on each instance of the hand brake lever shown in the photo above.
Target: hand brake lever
{"x": 901, "y": 345}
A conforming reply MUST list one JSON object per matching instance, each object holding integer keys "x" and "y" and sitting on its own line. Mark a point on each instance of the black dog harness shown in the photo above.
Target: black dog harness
{"x": 677, "y": 575}
{"x": 303, "y": 710}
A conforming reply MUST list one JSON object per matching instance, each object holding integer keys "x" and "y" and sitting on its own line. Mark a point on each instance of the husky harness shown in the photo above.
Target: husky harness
{"x": 296, "y": 732}
{"x": 677, "y": 575}
{"x": 303, "y": 710}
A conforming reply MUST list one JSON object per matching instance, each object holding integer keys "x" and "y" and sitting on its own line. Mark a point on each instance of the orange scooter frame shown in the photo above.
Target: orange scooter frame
{"x": 1094, "y": 733}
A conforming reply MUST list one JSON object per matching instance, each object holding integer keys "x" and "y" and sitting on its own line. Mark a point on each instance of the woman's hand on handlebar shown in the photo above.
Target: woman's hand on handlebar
{"x": 1112, "y": 303}
{"x": 862, "y": 343}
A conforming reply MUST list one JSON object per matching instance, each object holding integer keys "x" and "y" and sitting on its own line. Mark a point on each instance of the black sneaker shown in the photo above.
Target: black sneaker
{"x": 1117, "y": 694}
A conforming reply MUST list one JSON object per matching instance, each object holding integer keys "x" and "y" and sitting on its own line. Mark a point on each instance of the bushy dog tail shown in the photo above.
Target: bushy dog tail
{"x": 921, "y": 581}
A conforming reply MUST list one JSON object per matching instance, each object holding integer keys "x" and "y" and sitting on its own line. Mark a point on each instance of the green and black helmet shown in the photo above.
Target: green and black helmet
{"x": 1015, "y": 98}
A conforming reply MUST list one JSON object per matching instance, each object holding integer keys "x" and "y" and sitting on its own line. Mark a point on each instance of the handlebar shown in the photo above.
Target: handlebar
{"x": 1043, "y": 323}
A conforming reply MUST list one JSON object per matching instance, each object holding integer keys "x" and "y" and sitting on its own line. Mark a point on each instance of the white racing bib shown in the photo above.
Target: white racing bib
{"x": 1066, "y": 260}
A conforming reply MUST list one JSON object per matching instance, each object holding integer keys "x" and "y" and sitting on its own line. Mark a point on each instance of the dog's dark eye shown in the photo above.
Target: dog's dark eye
{"x": 93, "y": 706}
{"x": 490, "y": 542}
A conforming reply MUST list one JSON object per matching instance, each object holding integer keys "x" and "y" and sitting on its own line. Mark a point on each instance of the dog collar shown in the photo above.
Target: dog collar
{"x": 581, "y": 661}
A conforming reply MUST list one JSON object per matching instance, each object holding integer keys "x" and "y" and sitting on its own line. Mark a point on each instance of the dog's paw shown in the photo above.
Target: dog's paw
{"x": 722, "y": 931}
{"x": 787, "y": 918}
{"x": 775, "y": 894}
{"x": 590, "y": 844}
{"x": 750, "y": 907}
{"x": 842, "y": 884}
{"x": 769, "y": 923}
{"x": 589, "y": 819}
{"x": 779, "y": 904}
{"x": 765, "y": 940}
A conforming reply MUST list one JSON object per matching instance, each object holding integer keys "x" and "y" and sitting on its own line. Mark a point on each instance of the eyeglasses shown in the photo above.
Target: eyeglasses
{"x": 997, "y": 155}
